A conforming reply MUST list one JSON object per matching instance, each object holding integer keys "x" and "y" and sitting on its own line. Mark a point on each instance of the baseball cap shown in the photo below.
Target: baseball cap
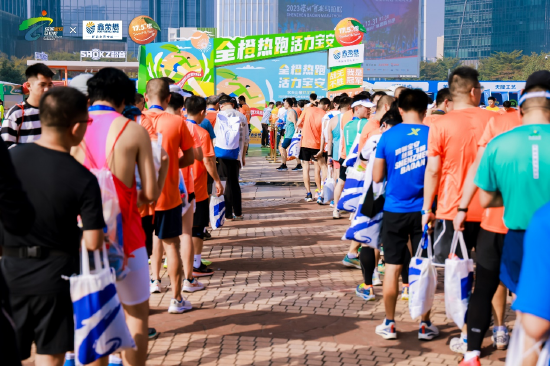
{"x": 80, "y": 83}
{"x": 538, "y": 78}
{"x": 365, "y": 103}
{"x": 176, "y": 89}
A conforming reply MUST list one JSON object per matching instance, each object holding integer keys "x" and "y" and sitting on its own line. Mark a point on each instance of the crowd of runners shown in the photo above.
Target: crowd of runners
{"x": 446, "y": 166}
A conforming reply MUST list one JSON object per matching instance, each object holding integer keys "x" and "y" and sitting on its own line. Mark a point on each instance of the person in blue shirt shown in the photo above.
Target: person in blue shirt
{"x": 532, "y": 301}
{"x": 401, "y": 156}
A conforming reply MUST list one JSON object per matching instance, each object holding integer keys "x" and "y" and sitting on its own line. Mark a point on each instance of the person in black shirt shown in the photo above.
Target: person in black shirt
{"x": 17, "y": 217}
{"x": 60, "y": 189}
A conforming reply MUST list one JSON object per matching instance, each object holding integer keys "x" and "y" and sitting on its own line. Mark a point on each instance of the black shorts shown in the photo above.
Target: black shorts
{"x": 489, "y": 249}
{"x": 397, "y": 229}
{"x": 286, "y": 143}
{"x": 46, "y": 320}
{"x": 168, "y": 224}
{"x": 149, "y": 229}
{"x": 343, "y": 170}
{"x": 201, "y": 217}
{"x": 443, "y": 238}
{"x": 307, "y": 154}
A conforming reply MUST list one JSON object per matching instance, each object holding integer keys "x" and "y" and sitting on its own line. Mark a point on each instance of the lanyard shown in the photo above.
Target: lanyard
{"x": 100, "y": 107}
{"x": 191, "y": 121}
{"x": 211, "y": 109}
{"x": 154, "y": 106}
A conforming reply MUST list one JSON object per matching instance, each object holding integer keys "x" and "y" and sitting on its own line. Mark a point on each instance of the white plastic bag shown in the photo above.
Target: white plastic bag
{"x": 365, "y": 230}
{"x": 516, "y": 354}
{"x": 353, "y": 189}
{"x": 328, "y": 188}
{"x": 217, "y": 211}
{"x": 295, "y": 144}
{"x": 422, "y": 280}
{"x": 100, "y": 325}
{"x": 157, "y": 148}
{"x": 459, "y": 278}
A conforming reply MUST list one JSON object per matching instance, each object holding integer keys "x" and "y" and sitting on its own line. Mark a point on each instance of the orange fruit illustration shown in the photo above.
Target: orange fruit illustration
{"x": 348, "y": 32}
{"x": 200, "y": 40}
{"x": 142, "y": 29}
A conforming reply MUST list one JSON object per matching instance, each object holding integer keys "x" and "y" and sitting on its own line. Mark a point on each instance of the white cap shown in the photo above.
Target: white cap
{"x": 80, "y": 82}
{"x": 365, "y": 103}
{"x": 176, "y": 89}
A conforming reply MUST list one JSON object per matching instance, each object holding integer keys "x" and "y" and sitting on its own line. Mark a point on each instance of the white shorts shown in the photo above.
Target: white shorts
{"x": 134, "y": 289}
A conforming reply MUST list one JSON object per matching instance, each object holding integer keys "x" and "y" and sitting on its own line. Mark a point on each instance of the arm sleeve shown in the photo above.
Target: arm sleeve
{"x": 485, "y": 177}
{"x": 91, "y": 208}
{"x": 434, "y": 141}
{"x": 16, "y": 212}
{"x": 10, "y": 127}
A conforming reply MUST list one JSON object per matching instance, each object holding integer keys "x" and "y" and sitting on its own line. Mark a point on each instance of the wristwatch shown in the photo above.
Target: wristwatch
{"x": 423, "y": 212}
{"x": 463, "y": 209}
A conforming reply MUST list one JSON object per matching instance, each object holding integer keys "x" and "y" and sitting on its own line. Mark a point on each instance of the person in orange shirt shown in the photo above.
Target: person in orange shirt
{"x": 452, "y": 148}
{"x": 196, "y": 111}
{"x": 296, "y": 107}
{"x": 245, "y": 109}
{"x": 488, "y": 253}
{"x": 444, "y": 104}
{"x": 373, "y": 125}
{"x": 507, "y": 108}
{"x": 311, "y": 123}
{"x": 168, "y": 211}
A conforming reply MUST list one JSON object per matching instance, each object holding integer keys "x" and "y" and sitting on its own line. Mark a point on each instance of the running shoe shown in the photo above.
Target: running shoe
{"x": 149, "y": 261}
{"x": 238, "y": 218}
{"x": 154, "y": 287}
{"x": 207, "y": 235}
{"x": 471, "y": 362}
{"x": 366, "y": 292}
{"x": 459, "y": 345}
{"x": 115, "y": 360}
{"x": 336, "y": 214}
{"x": 382, "y": 250}
{"x": 309, "y": 197}
{"x": 152, "y": 333}
{"x": 351, "y": 262}
{"x": 386, "y": 330}
{"x": 192, "y": 286}
{"x": 405, "y": 293}
{"x": 332, "y": 203}
{"x": 165, "y": 265}
{"x": 376, "y": 279}
{"x": 206, "y": 262}
{"x": 69, "y": 359}
{"x": 202, "y": 271}
{"x": 500, "y": 338}
{"x": 320, "y": 200}
{"x": 381, "y": 267}
{"x": 298, "y": 168}
{"x": 427, "y": 332}
{"x": 282, "y": 168}
{"x": 178, "y": 307}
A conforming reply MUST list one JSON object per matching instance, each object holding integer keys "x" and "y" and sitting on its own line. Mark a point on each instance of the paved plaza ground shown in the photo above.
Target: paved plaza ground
{"x": 281, "y": 296}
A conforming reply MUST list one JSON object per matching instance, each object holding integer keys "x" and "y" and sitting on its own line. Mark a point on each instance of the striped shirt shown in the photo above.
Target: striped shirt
{"x": 23, "y": 122}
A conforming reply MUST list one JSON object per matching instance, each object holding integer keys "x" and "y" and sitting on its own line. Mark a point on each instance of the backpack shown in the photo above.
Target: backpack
{"x": 112, "y": 214}
{"x": 228, "y": 133}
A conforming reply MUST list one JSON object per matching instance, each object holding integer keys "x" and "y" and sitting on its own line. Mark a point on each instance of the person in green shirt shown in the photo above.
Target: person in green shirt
{"x": 1, "y": 110}
{"x": 290, "y": 128}
{"x": 514, "y": 172}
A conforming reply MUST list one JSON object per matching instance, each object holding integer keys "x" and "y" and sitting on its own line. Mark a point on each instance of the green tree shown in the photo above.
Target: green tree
{"x": 502, "y": 66}
{"x": 534, "y": 62}
{"x": 9, "y": 73}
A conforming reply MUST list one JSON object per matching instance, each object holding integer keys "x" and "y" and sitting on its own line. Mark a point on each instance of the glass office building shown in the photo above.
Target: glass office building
{"x": 239, "y": 18}
{"x": 479, "y": 28}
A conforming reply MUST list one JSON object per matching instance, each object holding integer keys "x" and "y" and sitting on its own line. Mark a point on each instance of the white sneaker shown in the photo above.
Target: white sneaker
{"x": 500, "y": 338}
{"x": 189, "y": 286}
{"x": 178, "y": 307}
{"x": 336, "y": 214}
{"x": 154, "y": 287}
{"x": 386, "y": 331}
{"x": 458, "y": 345}
{"x": 427, "y": 333}
{"x": 376, "y": 279}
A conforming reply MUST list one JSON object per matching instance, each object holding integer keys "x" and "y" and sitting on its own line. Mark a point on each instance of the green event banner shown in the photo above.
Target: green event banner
{"x": 252, "y": 48}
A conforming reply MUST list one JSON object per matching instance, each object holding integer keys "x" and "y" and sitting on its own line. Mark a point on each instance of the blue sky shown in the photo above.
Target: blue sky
{"x": 436, "y": 20}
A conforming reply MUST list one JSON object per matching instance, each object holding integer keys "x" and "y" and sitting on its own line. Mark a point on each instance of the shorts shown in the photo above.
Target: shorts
{"x": 307, "y": 154}
{"x": 512, "y": 255}
{"x": 46, "y": 320}
{"x": 443, "y": 234}
{"x": 343, "y": 170}
{"x": 286, "y": 143}
{"x": 201, "y": 217}
{"x": 396, "y": 230}
{"x": 149, "y": 229}
{"x": 489, "y": 249}
{"x": 134, "y": 288}
{"x": 168, "y": 223}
